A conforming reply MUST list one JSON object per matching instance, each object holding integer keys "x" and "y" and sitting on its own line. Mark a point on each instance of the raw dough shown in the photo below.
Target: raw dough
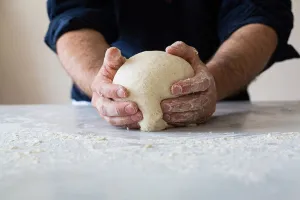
{"x": 148, "y": 76}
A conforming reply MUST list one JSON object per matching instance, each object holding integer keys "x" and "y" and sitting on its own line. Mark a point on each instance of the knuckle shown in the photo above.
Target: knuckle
{"x": 184, "y": 107}
{"x": 206, "y": 82}
{"x": 112, "y": 92}
{"x": 126, "y": 121}
{"x": 118, "y": 111}
{"x": 123, "y": 121}
{"x": 109, "y": 91}
{"x": 111, "y": 121}
{"x": 202, "y": 100}
{"x": 104, "y": 89}
{"x": 204, "y": 78}
{"x": 102, "y": 109}
{"x": 115, "y": 109}
{"x": 115, "y": 121}
{"x": 179, "y": 117}
{"x": 106, "y": 70}
{"x": 193, "y": 59}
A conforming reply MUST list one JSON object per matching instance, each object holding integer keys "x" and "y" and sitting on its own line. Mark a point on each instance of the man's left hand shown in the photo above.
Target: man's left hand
{"x": 196, "y": 96}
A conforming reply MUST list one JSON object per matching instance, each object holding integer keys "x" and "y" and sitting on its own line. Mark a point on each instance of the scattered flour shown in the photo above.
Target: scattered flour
{"x": 36, "y": 143}
{"x": 249, "y": 158}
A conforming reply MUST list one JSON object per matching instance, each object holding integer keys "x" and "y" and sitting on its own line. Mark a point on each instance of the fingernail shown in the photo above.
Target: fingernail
{"x": 137, "y": 117}
{"x": 166, "y": 108}
{"x": 121, "y": 93}
{"x": 176, "y": 89}
{"x": 130, "y": 109}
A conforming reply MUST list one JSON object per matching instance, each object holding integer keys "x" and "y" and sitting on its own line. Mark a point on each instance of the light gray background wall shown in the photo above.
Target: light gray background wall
{"x": 30, "y": 73}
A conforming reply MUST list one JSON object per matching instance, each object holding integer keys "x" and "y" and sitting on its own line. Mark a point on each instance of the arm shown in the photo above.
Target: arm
{"x": 81, "y": 54}
{"x": 79, "y": 40}
{"x": 254, "y": 35}
{"x": 80, "y": 32}
{"x": 241, "y": 58}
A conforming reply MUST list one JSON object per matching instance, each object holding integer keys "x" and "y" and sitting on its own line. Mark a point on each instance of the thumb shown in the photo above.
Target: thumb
{"x": 103, "y": 82}
{"x": 113, "y": 60}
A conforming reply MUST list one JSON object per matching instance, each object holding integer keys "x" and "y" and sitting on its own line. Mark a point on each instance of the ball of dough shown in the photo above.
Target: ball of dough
{"x": 148, "y": 76}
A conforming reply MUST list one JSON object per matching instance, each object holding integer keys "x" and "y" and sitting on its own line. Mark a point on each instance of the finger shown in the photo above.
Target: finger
{"x": 109, "y": 108}
{"x": 185, "y": 117}
{"x": 103, "y": 81}
{"x": 185, "y": 103}
{"x": 124, "y": 121}
{"x": 199, "y": 83}
{"x": 107, "y": 89}
{"x": 188, "y": 53}
{"x": 113, "y": 60}
{"x": 113, "y": 91}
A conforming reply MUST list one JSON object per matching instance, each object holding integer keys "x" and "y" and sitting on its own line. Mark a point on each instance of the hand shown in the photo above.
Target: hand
{"x": 197, "y": 95}
{"x": 117, "y": 113}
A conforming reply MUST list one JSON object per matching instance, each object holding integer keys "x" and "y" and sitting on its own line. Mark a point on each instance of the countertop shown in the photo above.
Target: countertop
{"x": 60, "y": 152}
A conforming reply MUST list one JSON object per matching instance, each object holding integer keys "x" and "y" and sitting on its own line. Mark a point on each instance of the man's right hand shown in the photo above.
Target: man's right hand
{"x": 107, "y": 97}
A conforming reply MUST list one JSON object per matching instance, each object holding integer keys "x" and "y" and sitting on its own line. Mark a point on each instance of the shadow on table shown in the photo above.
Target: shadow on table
{"x": 230, "y": 122}
{"x": 255, "y": 118}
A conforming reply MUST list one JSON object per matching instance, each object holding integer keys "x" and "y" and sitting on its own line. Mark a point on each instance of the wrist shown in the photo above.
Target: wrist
{"x": 218, "y": 73}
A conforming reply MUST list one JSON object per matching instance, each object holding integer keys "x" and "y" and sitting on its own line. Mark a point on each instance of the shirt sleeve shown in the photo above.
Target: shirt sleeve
{"x": 68, "y": 15}
{"x": 274, "y": 13}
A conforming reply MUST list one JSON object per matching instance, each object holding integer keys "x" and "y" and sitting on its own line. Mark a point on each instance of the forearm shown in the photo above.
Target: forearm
{"x": 241, "y": 58}
{"x": 81, "y": 54}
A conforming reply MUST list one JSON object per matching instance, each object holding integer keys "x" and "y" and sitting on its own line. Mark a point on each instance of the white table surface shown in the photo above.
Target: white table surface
{"x": 61, "y": 152}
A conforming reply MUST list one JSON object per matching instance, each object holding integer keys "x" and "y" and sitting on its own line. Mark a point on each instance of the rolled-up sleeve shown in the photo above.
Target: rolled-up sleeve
{"x": 276, "y": 14}
{"x": 68, "y": 15}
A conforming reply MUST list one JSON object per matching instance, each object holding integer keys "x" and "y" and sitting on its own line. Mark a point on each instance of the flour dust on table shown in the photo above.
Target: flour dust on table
{"x": 68, "y": 152}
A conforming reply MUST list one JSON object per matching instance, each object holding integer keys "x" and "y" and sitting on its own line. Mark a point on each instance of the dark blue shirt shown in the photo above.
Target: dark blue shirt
{"x": 137, "y": 25}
